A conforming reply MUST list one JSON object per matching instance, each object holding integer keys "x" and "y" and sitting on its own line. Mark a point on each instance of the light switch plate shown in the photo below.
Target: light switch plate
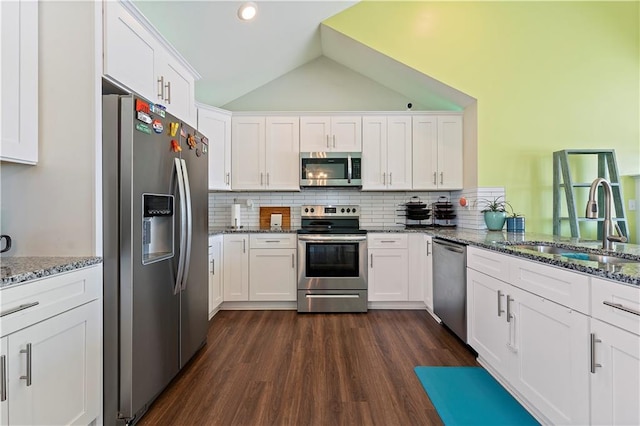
{"x": 632, "y": 205}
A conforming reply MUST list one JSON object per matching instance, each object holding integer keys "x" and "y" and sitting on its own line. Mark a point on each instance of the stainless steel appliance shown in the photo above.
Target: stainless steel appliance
{"x": 332, "y": 260}
{"x": 450, "y": 285}
{"x": 155, "y": 214}
{"x": 330, "y": 169}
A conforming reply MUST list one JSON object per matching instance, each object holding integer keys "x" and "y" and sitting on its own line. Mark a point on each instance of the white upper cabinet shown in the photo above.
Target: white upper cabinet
{"x": 216, "y": 126}
{"x": 265, "y": 153}
{"x": 339, "y": 133}
{"x": 386, "y": 153}
{"x": 138, "y": 59}
{"x": 437, "y": 152}
{"x": 19, "y": 89}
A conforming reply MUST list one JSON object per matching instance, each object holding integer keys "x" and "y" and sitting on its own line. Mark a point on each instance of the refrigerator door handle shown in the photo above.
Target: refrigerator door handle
{"x": 189, "y": 215}
{"x": 183, "y": 225}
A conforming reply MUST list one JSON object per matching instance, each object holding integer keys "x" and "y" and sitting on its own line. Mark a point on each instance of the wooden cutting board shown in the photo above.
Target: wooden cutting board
{"x": 266, "y": 212}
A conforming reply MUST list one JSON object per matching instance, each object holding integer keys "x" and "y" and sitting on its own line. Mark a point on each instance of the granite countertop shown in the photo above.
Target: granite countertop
{"x": 14, "y": 270}
{"x": 250, "y": 230}
{"x": 506, "y": 242}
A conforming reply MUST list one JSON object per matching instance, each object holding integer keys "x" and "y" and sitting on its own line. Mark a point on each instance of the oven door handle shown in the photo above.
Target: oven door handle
{"x": 333, "y": 238}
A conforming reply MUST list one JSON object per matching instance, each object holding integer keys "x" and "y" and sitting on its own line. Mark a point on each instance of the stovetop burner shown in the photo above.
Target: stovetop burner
{"x": 331, "y": 219}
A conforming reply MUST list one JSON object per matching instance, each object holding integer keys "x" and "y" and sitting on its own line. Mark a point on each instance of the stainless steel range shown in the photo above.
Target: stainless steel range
{"x": 332, "y": 260}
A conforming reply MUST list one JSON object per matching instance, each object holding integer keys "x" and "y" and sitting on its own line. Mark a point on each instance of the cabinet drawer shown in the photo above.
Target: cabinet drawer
{"x": 273, "y": 241}
{"x": 624, "y": 298}
{"x": 489, "y": 262}
{"x": 53, "y": 295}
{"x": 387, "y": 241}
{"x": 564, "y": 287}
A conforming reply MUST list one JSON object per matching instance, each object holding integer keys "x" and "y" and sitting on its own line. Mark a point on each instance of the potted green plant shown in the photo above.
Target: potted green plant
{"x": 495, "y": 213}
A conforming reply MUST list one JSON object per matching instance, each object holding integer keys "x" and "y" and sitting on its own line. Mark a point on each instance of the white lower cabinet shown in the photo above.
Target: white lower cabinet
{"x": 388, "y": 275}
{"x": 421, "y": 269}
{"x": 615, "y": 375}
{"x": 539, "y": 347}
{"x": 50, "y": 368}
{"x": 272, "y": 274}
{"x": 260, "y": 267}
{"x": 236, "y": 267}
{"x": 215, "y": 273}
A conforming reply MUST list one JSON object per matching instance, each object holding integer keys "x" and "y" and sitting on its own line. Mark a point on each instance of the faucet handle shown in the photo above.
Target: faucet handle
{"x": 620, "y": 238}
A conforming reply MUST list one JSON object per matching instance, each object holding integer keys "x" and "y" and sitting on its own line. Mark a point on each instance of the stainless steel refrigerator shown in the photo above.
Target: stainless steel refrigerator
{"x": 155, "y": 215}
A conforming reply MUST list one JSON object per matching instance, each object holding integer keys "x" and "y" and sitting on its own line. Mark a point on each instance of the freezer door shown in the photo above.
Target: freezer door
{"x": 195, "y": 290}
{"x": 149, "y": 309}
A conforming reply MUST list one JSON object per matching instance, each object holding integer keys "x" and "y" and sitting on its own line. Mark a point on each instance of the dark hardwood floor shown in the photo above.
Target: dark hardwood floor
{"x": 285, "y": 368}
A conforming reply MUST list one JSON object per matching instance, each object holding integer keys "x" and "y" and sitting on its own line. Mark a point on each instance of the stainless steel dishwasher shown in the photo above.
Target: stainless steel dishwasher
{"x": 450, "y": 285}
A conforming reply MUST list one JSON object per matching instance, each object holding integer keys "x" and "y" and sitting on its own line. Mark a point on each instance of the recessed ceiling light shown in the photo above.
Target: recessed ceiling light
{"x": 247, "y": 11}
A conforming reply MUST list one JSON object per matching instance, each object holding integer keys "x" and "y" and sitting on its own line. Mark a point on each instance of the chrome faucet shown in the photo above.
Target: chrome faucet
{"x": 608, "y": 226}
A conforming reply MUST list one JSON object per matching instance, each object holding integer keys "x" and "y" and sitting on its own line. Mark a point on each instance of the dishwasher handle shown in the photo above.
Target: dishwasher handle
{"x": 458, "y": 248}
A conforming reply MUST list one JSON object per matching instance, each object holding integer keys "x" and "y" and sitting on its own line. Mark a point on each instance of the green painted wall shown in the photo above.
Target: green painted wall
{"x": 547, "y": 76}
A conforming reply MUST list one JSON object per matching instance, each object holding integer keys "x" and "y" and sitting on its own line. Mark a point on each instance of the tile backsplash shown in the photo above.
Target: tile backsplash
{"x": 376, "y": 208}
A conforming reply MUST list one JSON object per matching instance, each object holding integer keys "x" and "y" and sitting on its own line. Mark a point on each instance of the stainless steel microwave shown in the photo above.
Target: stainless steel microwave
{"x": 319, "y": 169}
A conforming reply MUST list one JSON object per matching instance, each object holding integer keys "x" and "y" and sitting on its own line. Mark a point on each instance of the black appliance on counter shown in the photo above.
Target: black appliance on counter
{"x": 332, "y": 260}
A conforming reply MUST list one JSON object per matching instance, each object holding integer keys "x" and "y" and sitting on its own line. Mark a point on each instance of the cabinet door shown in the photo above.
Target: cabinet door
{"x": 489, "y": 333}
{"x": 425, "y": 152}
{"x": 248, "y": 153}
{"x": 215, "y": 273}
{"x": 4, "y": 394}
{"x": 615, "y": 381}
{"x": 388, "y": 275}
{"x": 552, "y": 343}
{"x": 450, "y": 152}
{"x": 374, "y": 153}
{"x": 216, "y": 126}
{"x": 282, "y": 153}
{"x": 130, "y": 53}
{"x": 399, "y": 152}
{"x": 272, "y": 274}
{"x": 315, "y": 133}
{"x": 65, "y": 369}
{"x": 346, "y": 134}
{"x": 178, "y": 90}
{"x": 420, "y": 269}
{"x": 235, "y": 268}
{"x": 19, "y": 84}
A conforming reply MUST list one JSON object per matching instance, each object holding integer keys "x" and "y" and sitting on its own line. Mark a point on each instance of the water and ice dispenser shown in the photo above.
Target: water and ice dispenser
{"x": 157, "y": 227}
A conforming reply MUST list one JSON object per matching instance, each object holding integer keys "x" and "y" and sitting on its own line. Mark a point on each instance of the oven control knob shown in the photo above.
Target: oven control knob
{"x": 306, "y": 210}
{"x": 354, "y": 210}
{"x": 342, "y": 211}
{"x": 348, "y": 210}
{"x": 312, "y": 210}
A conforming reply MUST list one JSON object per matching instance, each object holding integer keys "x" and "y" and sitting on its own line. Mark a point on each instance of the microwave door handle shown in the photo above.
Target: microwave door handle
{"x": 349, "y": 168}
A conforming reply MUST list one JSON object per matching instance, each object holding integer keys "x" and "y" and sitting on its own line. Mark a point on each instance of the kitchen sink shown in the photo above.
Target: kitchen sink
{"x": 573, "y": 253}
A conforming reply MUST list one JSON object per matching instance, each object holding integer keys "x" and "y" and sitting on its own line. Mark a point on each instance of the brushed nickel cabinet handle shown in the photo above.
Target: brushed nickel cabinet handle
{"x": 384, "y": 178}
{"x": 428, "y": 247}
{"x": 267, "y": 178}
{"x": 622, "y": 308}
{"x": 327, "y": 141}
{"x": 161, "y": 87}
{"x": 168, "y": 87}
{"x": 227, "y": 179}
{"x": 244, "y": 246}
{"x": 441, "y": 178}
{"x": 509, "y": 300}
{"x": 18, "y": 308}
{"x": 261, "y": 179}
{"x": 372, "y": 260}
{"x": 592, "y": 347}
{"x": 293, "y": 260}
{"x": 390, "y": 178}
{"x": 29, "y": 353}
{"x": 500, "y": 311}
{"x": 3, "y": 378}
{"x": 435, "y": 182}
{"x": 334, "y": 141}
{"x": 213, "y": 266}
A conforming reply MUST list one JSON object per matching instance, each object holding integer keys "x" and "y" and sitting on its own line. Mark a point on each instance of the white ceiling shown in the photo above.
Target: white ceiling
{"x": 236, "y": 57}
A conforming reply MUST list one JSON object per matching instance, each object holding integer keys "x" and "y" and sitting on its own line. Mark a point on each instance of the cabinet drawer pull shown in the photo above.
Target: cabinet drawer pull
{"x": 500, "y": 311}
{"x": 622, "y": 308}
{"x": 434, "y": 178}
{"x": 509, "y": 300}
{"x": 334, "y": 141}
{"x": 384, "y": 178}
{"x": 293, "y": 261}
{"x": 267, "y": 178}
{"x": 441, "y": 178}
{"x": 592, "y": 347}
{"x": 18, "y": 308}
{"x": 327, "y": 141}
{"x": 390, "y": 178}
{"x": 168, "y": 98}
{"x": 213, "y": 266}
{"x": 28, "y": 352}
{"x": 372, "y": 260}
{"x": 387, "y": 241}
{"x": 161, "y": 88}
{"x": 271, "y": 241}
{"x": 428, "y": 247}
{"x": 3, "y": 378}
